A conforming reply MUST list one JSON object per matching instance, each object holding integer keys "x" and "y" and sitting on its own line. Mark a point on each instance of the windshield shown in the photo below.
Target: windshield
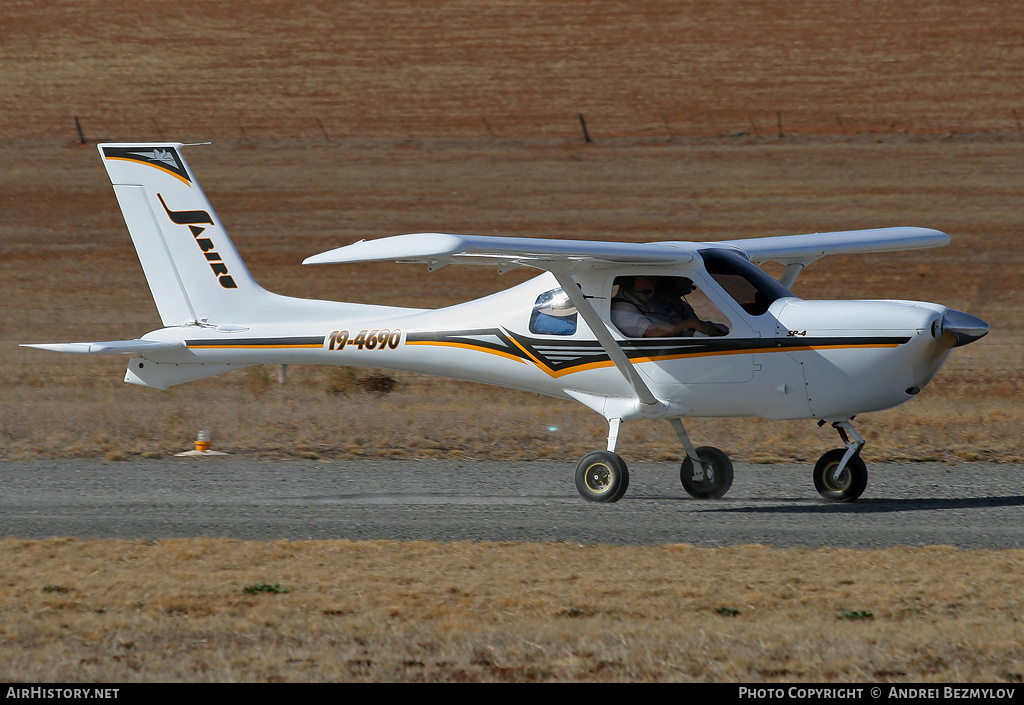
{"x": 752, "y": 287}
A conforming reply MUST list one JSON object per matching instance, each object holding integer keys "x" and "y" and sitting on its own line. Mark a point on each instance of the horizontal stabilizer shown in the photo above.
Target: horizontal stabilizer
{"x": 437, "y": 249}
{"x": 109, "y": 347}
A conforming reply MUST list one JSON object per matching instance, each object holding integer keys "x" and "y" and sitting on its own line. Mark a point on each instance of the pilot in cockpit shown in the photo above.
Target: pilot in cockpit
{"x": 653, "y": 307}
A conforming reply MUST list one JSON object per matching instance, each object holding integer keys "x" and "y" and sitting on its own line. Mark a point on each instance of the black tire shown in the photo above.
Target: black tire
{"x": 602, "y": 477}
{"x": 717, "y": 474}
{"x": 850, "y": 483}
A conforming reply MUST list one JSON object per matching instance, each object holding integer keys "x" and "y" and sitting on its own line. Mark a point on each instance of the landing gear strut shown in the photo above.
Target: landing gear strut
{"x": 840, "y": 475}
{"x": 602, "y": 476}
{"x": 706, "y": 472}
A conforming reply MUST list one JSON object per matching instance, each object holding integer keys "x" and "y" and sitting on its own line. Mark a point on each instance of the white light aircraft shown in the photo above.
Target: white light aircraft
{"x": 634, "y": 331}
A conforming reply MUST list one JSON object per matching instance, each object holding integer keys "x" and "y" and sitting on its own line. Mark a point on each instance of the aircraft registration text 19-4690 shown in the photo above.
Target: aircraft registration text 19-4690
{"x": 339, "y": 339}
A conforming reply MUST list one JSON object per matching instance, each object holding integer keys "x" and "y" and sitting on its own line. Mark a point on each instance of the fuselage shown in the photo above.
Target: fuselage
{"x": 796, "y": 359}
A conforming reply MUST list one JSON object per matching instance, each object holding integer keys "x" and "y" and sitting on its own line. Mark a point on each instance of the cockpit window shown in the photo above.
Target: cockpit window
{"x": 752, "y": 288}
{"x": 553, "y": 314}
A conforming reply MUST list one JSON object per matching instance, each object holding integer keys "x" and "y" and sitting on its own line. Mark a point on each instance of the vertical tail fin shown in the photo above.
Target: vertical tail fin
{"x": 192, "y": 267}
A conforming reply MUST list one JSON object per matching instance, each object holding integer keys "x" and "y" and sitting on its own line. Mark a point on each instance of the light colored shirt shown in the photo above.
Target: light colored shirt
{"x": 633, "y": 317}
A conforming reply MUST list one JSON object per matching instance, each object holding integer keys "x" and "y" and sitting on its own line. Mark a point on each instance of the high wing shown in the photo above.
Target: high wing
{"x": 795, "y": 251}
{"x": 808, "y": 248}
{"x": 798, "y": 251}
{"x": 438, "y": 249}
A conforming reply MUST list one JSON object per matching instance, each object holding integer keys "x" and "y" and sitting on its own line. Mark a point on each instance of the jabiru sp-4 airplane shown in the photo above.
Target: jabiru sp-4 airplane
{"x": 634, "y": 331}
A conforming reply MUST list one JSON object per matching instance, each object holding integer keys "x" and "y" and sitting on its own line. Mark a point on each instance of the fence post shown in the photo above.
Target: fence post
{"x": 583, "y": 124}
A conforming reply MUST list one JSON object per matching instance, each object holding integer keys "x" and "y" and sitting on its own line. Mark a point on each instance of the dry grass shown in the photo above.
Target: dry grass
{"x": 251, "y": 414}
{"x": 130, "y": 611}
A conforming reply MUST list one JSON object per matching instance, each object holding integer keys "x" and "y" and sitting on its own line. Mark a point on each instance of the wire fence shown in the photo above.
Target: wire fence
{"x": 592, "y": 125}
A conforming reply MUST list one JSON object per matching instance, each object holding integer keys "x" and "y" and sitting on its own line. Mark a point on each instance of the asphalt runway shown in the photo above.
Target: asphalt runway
{"x": 968, "y": 505}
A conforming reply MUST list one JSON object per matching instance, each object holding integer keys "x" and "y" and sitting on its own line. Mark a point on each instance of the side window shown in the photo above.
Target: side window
{"x": 654, "y": 307}
{"x": 752, "y": 287}
{"x": 553, "y": 314}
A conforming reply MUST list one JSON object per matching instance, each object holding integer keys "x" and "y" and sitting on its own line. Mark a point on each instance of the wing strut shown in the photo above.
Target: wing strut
{"x": 611, "y": 346}
{"x": 604, "y": 336}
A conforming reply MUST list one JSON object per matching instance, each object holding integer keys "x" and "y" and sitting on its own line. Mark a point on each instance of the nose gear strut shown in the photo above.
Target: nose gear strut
{"x": 840, "y": 475}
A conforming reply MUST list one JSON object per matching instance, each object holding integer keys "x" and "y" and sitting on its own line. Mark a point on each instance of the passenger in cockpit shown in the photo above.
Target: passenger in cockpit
{"x": 653, "y": 307}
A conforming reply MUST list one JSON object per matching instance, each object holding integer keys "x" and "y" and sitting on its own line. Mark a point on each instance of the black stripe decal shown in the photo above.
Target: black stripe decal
{"x": 561, "y": 356}
{"x": 470, "y": 338}
{"x": 306, "y": 341}
{"x": 161, "y": 157}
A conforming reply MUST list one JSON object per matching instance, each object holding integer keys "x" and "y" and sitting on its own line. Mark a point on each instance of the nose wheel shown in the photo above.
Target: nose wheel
{"x": 840, "y": 484}
{"x": 840, "y": 475}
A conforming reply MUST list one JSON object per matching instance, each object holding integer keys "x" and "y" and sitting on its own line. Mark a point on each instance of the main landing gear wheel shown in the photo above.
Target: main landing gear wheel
{"x": 602, "y": 477}
{"x": 716, "y": 478}
{"x": 850, "y": 483}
